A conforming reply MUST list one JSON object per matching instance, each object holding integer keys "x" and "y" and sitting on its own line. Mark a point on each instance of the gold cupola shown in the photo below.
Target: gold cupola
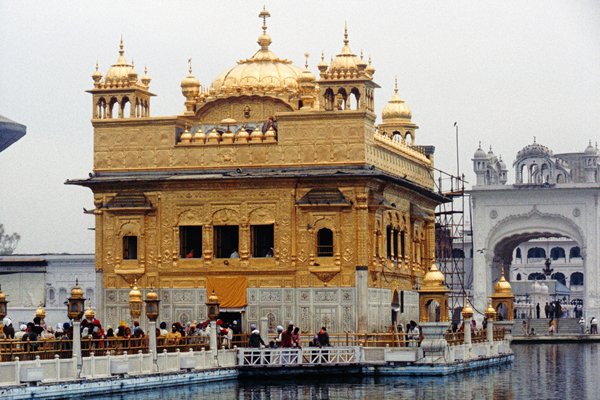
{"x": 433, "y": 279}
{"x": 97, "y": 75}
{"x": 89, "y": 313}
{"x": 40, "y": 311}
{"x": 503, "y": 286}
{"x": 264, "y": 73}
{"x": 346, "y": 64}
{"x": 396, "y": 108}
{"x": 490, "y": 312}
{"x": 467, "y": 311}
{"x": 118, "y": 73}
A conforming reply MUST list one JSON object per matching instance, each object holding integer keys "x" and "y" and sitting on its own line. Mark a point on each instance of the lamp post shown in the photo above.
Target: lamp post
{"x": 3, "y": 303}
{"x": 213, "y": 305}
{"x": 135, "y": 302}
{"x": 74, "y": 312}
{"x": 152, "y": 307}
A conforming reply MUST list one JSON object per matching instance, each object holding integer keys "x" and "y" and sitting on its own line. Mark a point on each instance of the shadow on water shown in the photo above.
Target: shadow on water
{"x": 543, "y": 371}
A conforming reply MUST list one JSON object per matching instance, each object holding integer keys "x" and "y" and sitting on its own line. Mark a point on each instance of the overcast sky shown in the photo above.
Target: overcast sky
{"x": 505, "y": 70}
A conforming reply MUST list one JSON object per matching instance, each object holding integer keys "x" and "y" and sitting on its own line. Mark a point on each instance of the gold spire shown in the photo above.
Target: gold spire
{"x": 264, "y": 14}
{"x": 121, "y": 47}
{"x": 190, "y": 65}
{"x": 346, "y": 41}
{"x": 306, "y": 55}
{"x": 395, "y": 85}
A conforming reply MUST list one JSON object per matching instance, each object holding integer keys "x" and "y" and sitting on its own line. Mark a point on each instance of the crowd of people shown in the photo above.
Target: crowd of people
{"x": 288, "y": 338}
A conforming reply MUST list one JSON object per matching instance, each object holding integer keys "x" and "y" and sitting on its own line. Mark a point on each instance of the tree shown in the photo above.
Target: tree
{"x": 8, "y": 243}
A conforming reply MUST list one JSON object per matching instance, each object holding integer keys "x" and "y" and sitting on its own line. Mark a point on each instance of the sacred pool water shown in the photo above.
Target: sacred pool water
{"x": 544, "y": 371}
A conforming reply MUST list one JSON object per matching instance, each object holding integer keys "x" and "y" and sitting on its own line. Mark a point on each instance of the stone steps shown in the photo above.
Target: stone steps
{"x": 564, "y": 326}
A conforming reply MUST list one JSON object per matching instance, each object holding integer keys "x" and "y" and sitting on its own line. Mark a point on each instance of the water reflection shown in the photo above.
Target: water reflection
{"x": 561, "y": 371}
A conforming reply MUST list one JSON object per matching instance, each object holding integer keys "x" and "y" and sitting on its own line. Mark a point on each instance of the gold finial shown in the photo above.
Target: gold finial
{"x": 306, "y": 55}
{"x": 145, "y": 70}
{"x": 121, "y": 51}
{"x": 395, "y": 85}
{"x": 323, "y": 55}
{"x": 264, "y": 14}
{"x": 96, "y": 65}
{"x": 534, "y": 140}
{"x": 361, "y": 54}
{"x": 132, "y": 63}
{"x": 346, "y": 41}
{"x": 190, "y": 65}
{"x": 369, "y": 59}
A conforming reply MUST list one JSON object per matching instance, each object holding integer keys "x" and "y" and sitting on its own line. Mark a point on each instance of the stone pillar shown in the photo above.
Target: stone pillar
{"x": 213, "y": 336}
{"x": 152, "y": 344}
{"x": 264, "y": 329}
{"x": 362, "y": 298}
{"x": 77, "y": 345}
{"x": 467, "y": 330}
{"x": 490, "y": 331}
{"x": 434, "y": 344}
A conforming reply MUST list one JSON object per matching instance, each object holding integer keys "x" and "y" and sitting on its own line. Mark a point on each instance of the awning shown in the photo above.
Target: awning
{"x": 230, "y": 290}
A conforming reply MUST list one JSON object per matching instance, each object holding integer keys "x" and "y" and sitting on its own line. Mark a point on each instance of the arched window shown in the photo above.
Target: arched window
{"x": 62, "y": 295}
{"x": 89, "y": 294}
{"x": 519, "y": 276}
{"x": 557, "y": 252}
{"x": 328, "y": 98}
{"x": 325, "y": 243}
{"x": 560, "y": 178}
{"x": 536, "y": 276}
{"x": 575, "y": 252}
{"x": 113, "y": 110}
{"x": 576, "y": 279}
{"x": 518, "y": 253}
{"x": 458, "y": 253}
{"x": 396, "y": 136}
{"x": 125, "y": 108}
{"x": 354, "y": 99}
{"x": 409, "y": 138}
{"x": 536, "y": 252}
{"x": 51, "y": 295}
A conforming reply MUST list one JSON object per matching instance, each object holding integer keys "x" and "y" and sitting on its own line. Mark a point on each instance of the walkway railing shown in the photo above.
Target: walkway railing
{"x": 296, "y": 357}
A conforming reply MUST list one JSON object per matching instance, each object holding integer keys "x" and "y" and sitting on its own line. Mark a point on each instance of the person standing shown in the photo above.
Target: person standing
{"x": 594, "y": 326}
{"x": 537, "y": 310}
{"x": 581, "y": 325}
{"x": 547, "y": 309}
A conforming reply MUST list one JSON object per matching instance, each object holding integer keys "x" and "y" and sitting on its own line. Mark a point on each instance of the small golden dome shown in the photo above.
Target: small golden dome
{"x": 119, "y": 72}
{"x": 242, "y": 135}
{"x": 190, "y": 85}
{"x": 306, "y": 76}
{"x": 2, "y": 295}
{"x": 396, "y": 108}
{"x": 145, "y": 78}
{"x": 186, "y": 136}
{"x": 89, "y": 313}
{"x": 213, "y": 298}
{"x": 345, "y": 64}
{"x": 213, "y": 136}
{"x": 370, "y": 69}
{"x": 503, "y": 286}
{"x": 490, "y": 312}
{"x": 263, "y": 72}
{"x": 76, "y": 291}
{"x": 135, "y": 294}
{"x": 433, "y": 278}
{"x": 152, "y": 295}
{"x": 467, "y": 311}
{"x": 199, "y": 136}
{"x": 40, "y": 312}
{"x": 97, "y": 75}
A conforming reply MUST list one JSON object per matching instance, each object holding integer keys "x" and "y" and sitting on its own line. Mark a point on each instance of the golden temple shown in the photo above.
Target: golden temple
{"x": 275, "y": 188}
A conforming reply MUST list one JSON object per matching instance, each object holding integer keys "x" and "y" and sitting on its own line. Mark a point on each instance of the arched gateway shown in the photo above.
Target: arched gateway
{"x": 562, "y": 204}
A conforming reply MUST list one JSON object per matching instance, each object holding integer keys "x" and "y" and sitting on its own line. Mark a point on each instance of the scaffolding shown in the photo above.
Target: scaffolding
{"x": 452, "y": 234}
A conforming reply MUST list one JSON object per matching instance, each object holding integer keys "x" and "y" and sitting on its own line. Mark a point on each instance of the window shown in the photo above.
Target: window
{"x": 262, "y": 240}
{"x": 557, "y": 252}
{"x": 227, "y": 241}
{"x": 190, "y": 242}
{"x": 129, "y": 247}
{"x": 536, "y": 276}
{"x": 395, "y": 232}
{"x": 576, "y": 279}
{"x": 518, "y": 255}
{"x": 403, "y": 244}
{"x": 518, "y": 276}
{"x": 325, "y": 243}
{"x": 559, "y": 276}
{"x": 536, "y": 252}
{"x": 575, "y": 252}
{"x": 388, "y": 241}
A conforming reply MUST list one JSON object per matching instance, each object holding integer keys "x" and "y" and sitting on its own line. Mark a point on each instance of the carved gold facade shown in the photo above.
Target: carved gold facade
{"x": 321, "y": 162}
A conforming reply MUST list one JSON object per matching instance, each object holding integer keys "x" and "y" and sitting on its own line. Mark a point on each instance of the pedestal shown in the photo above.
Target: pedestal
{"x": 434, "y": 344}
{"x": 467, "y": 331}
{"x": 490, "y": 331}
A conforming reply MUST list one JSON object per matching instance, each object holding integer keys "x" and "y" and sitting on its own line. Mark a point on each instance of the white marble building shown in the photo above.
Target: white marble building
{"x": 553, "y": 196}
{"x": 29, "y": 280}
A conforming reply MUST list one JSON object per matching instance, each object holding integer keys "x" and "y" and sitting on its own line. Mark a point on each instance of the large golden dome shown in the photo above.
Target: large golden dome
{"x": 263, "y": 72}
{"x": 396, "y": 108}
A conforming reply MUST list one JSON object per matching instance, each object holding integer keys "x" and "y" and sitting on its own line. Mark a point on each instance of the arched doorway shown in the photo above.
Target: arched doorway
{"x": 510, "y": 233}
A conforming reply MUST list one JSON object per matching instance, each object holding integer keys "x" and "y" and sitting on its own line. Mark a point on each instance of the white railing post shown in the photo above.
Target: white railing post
{"x": 57, "y": 366}
{"x": 152, "y": 344}
{"x": 92, "y": 364}
{"x": 18, "y": 370}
